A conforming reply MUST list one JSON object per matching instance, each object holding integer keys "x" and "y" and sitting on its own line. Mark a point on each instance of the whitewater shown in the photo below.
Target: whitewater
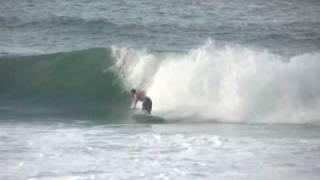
{"x": 237, "y": 83}
{"x": 229, "y": 83}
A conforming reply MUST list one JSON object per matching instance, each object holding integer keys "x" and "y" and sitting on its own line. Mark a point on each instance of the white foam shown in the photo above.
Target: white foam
{"x": 229, "y": 83}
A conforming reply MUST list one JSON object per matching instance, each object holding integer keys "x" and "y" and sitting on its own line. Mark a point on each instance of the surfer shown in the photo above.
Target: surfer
{"x": 140, "y": 96}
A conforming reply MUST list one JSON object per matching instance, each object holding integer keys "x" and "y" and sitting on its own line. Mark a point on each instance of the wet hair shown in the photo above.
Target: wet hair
{"x": 133, "y": 91}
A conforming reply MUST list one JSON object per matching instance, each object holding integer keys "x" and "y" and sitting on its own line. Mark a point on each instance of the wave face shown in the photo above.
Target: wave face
{"x": 71, "y": 83}
{"x": 229, "y": 83}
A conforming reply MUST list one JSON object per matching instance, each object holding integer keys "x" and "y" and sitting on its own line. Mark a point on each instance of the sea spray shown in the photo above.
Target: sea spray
{"x": 136, "y": 68}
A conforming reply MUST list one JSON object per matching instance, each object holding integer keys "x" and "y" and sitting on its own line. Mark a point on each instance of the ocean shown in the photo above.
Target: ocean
{"x": 236, "y": 81}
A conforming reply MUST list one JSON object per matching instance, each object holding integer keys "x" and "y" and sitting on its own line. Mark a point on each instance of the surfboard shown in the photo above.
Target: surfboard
{"x": 147, "y": 118}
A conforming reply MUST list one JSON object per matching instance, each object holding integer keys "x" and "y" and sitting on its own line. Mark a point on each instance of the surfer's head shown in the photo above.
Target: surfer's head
{"x": 133, "y": 91}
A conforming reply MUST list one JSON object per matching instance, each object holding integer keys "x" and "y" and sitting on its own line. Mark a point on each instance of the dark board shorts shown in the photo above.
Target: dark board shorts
{"x": 147, "y": 105}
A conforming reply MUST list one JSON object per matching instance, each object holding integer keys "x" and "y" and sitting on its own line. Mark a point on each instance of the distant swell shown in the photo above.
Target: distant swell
{"x": 15, "y": 22}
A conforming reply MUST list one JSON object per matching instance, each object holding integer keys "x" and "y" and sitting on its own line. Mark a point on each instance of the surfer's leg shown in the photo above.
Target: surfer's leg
{"x": 150, "y": 106}
{"x": 147, "y": 105}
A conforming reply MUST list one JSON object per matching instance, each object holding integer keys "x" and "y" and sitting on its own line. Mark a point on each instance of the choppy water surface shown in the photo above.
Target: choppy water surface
{"x": 82, "y": 150}
{"x": 32, "y": 26}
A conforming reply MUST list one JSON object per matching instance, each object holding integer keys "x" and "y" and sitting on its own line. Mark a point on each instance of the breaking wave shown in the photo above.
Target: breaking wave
{"x": 228, "y": 83}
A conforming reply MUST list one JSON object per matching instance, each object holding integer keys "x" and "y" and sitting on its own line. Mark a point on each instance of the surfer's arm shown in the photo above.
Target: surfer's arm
{"x": 134, "y": 102}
